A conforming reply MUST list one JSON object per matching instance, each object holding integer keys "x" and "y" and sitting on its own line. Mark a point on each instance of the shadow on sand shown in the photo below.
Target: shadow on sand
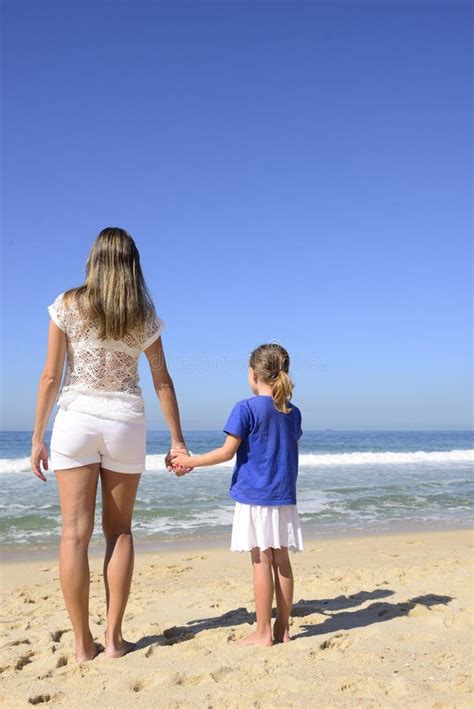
{"x": 338, "y": 617}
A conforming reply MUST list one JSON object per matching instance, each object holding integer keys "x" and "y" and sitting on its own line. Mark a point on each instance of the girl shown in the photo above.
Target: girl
{"x": 99, "y": 430}
{"x": 264, "y": 432}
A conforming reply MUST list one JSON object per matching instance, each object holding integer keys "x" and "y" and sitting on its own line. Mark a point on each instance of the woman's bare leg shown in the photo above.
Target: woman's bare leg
{"x": 283, "y": 594}
{"x": 118, "y": 498}
{"x": 263, "y": 593}
{"x": 77, "y": 494}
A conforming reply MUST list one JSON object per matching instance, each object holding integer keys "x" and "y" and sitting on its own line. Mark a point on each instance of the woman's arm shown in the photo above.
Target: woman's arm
{"x": 165, "y": 391}
{"x": 49, "y": 383}
{"x": 214, "y": 457}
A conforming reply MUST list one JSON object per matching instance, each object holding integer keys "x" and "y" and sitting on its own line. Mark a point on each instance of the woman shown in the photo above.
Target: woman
{"x": 99, "y": 430}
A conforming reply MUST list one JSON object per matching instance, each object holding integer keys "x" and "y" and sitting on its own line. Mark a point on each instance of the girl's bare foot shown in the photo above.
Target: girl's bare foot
{"x": 119, "y": 649}
{"x": 281, "y": 635}
{"x": 88, "y": 652}
{"x": 257, "y": 639}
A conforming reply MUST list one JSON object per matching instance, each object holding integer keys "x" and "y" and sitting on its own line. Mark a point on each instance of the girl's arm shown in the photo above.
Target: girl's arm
{"x": 49, "y": 384}
{"x": 165, "y": 391}
{"x": 214, "y": 457}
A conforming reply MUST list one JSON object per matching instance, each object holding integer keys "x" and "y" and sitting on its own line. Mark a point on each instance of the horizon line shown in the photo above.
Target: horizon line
{"x": 308, "y": 430}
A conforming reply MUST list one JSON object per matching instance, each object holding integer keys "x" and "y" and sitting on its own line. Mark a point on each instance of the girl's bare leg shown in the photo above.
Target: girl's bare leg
{"x": 283, "y": 593}
{"x": 77, "y": 493}
{"x": 263, "y": 593}
{"x": 118, "y": 498}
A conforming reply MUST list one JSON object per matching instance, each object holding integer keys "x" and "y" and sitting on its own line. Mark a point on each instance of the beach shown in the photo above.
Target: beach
{"x": 384, "y": 620}
{"x": 383, "y": 590}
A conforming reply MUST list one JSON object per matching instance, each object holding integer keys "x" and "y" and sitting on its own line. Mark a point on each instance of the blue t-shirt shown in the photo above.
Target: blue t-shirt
{"x": 267, "y": 459}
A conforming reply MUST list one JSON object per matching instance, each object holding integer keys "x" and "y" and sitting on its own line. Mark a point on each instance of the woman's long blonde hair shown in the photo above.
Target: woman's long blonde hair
{"x": 271, "y": 362}
{"x": 114, "y": 294}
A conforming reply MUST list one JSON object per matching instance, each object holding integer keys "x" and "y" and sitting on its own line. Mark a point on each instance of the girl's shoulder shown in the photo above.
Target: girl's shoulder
{"x": 242, "y": 404}
{"x": 262, "y": 409}
{"x": 264, "y": 402}
{"x": 294, "y": 408}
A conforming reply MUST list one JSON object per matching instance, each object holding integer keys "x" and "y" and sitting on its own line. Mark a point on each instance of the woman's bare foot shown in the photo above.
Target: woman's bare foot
{"x": 88, "y": 652}
{"x": 257, "y": 639}
{"x": 281, "y": 635}
{"x": 120, "y": 649}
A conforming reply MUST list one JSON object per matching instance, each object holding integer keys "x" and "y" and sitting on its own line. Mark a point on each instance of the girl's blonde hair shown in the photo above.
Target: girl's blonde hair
{"x": 114, "y": 295}
{"x": 271, "y": 362}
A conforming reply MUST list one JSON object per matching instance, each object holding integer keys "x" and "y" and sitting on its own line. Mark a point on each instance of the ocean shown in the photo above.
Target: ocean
{"x": 348, "y": 482}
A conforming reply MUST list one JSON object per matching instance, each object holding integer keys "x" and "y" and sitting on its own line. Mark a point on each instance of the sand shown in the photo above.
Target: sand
{"x": 380, "y": 621}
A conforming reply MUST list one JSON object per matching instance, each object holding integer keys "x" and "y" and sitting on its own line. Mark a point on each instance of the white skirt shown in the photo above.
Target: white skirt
{"x": 264, "y": 526}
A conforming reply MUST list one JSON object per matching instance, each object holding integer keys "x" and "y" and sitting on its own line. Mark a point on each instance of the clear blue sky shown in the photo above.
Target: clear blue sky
{"x": 297, "y": 171}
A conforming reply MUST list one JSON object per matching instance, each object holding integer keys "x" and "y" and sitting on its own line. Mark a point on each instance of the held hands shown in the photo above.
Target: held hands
{"x": 39, "y": 453}
{"x": 173, "y": 465}
{"x": 180, "y": 462}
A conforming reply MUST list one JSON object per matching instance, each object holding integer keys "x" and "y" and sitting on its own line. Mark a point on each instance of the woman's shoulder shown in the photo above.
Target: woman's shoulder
{"x": 66, "y": 311}
{"x": 67, "y": 298}
{"x": 153, "y": 326}
{"x": 58, "y": 310}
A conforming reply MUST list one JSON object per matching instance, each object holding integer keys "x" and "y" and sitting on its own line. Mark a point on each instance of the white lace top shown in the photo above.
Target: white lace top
{"x": 101, "y": 376}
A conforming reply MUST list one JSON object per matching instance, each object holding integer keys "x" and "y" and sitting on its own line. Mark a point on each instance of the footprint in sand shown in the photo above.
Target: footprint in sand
{"x": 340, "y": 641}
{"x": 182, "y": 680}
{"x": 346, "y": 686}
{"x": 219, "y": 674}
{"x": 47, "y": 675}
{"x": 24, "y": 660}
{"x": 57, "y": 635}
{"x": 40, "y": 699}
{"x": 418, "y": 611}
{"x": 160, "y": 642}
{"x": 62, "y": 661}
{"x": 194, "y": 558}
{"x": 23, "y": 641}
{"x": 171, "y": 568}
{"x": 177, "y": 635}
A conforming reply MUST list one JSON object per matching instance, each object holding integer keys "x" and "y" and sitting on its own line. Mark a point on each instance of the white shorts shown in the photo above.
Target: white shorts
{"x": 81, "y": 439}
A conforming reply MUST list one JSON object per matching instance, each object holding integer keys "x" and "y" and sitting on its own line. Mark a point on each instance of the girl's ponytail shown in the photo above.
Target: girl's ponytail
{"x": 282, "y": 391}
{"x": 272, "y": 363}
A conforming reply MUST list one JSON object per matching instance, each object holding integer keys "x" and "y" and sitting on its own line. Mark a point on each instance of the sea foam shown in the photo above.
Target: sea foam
{"x": 156, "y": 462}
